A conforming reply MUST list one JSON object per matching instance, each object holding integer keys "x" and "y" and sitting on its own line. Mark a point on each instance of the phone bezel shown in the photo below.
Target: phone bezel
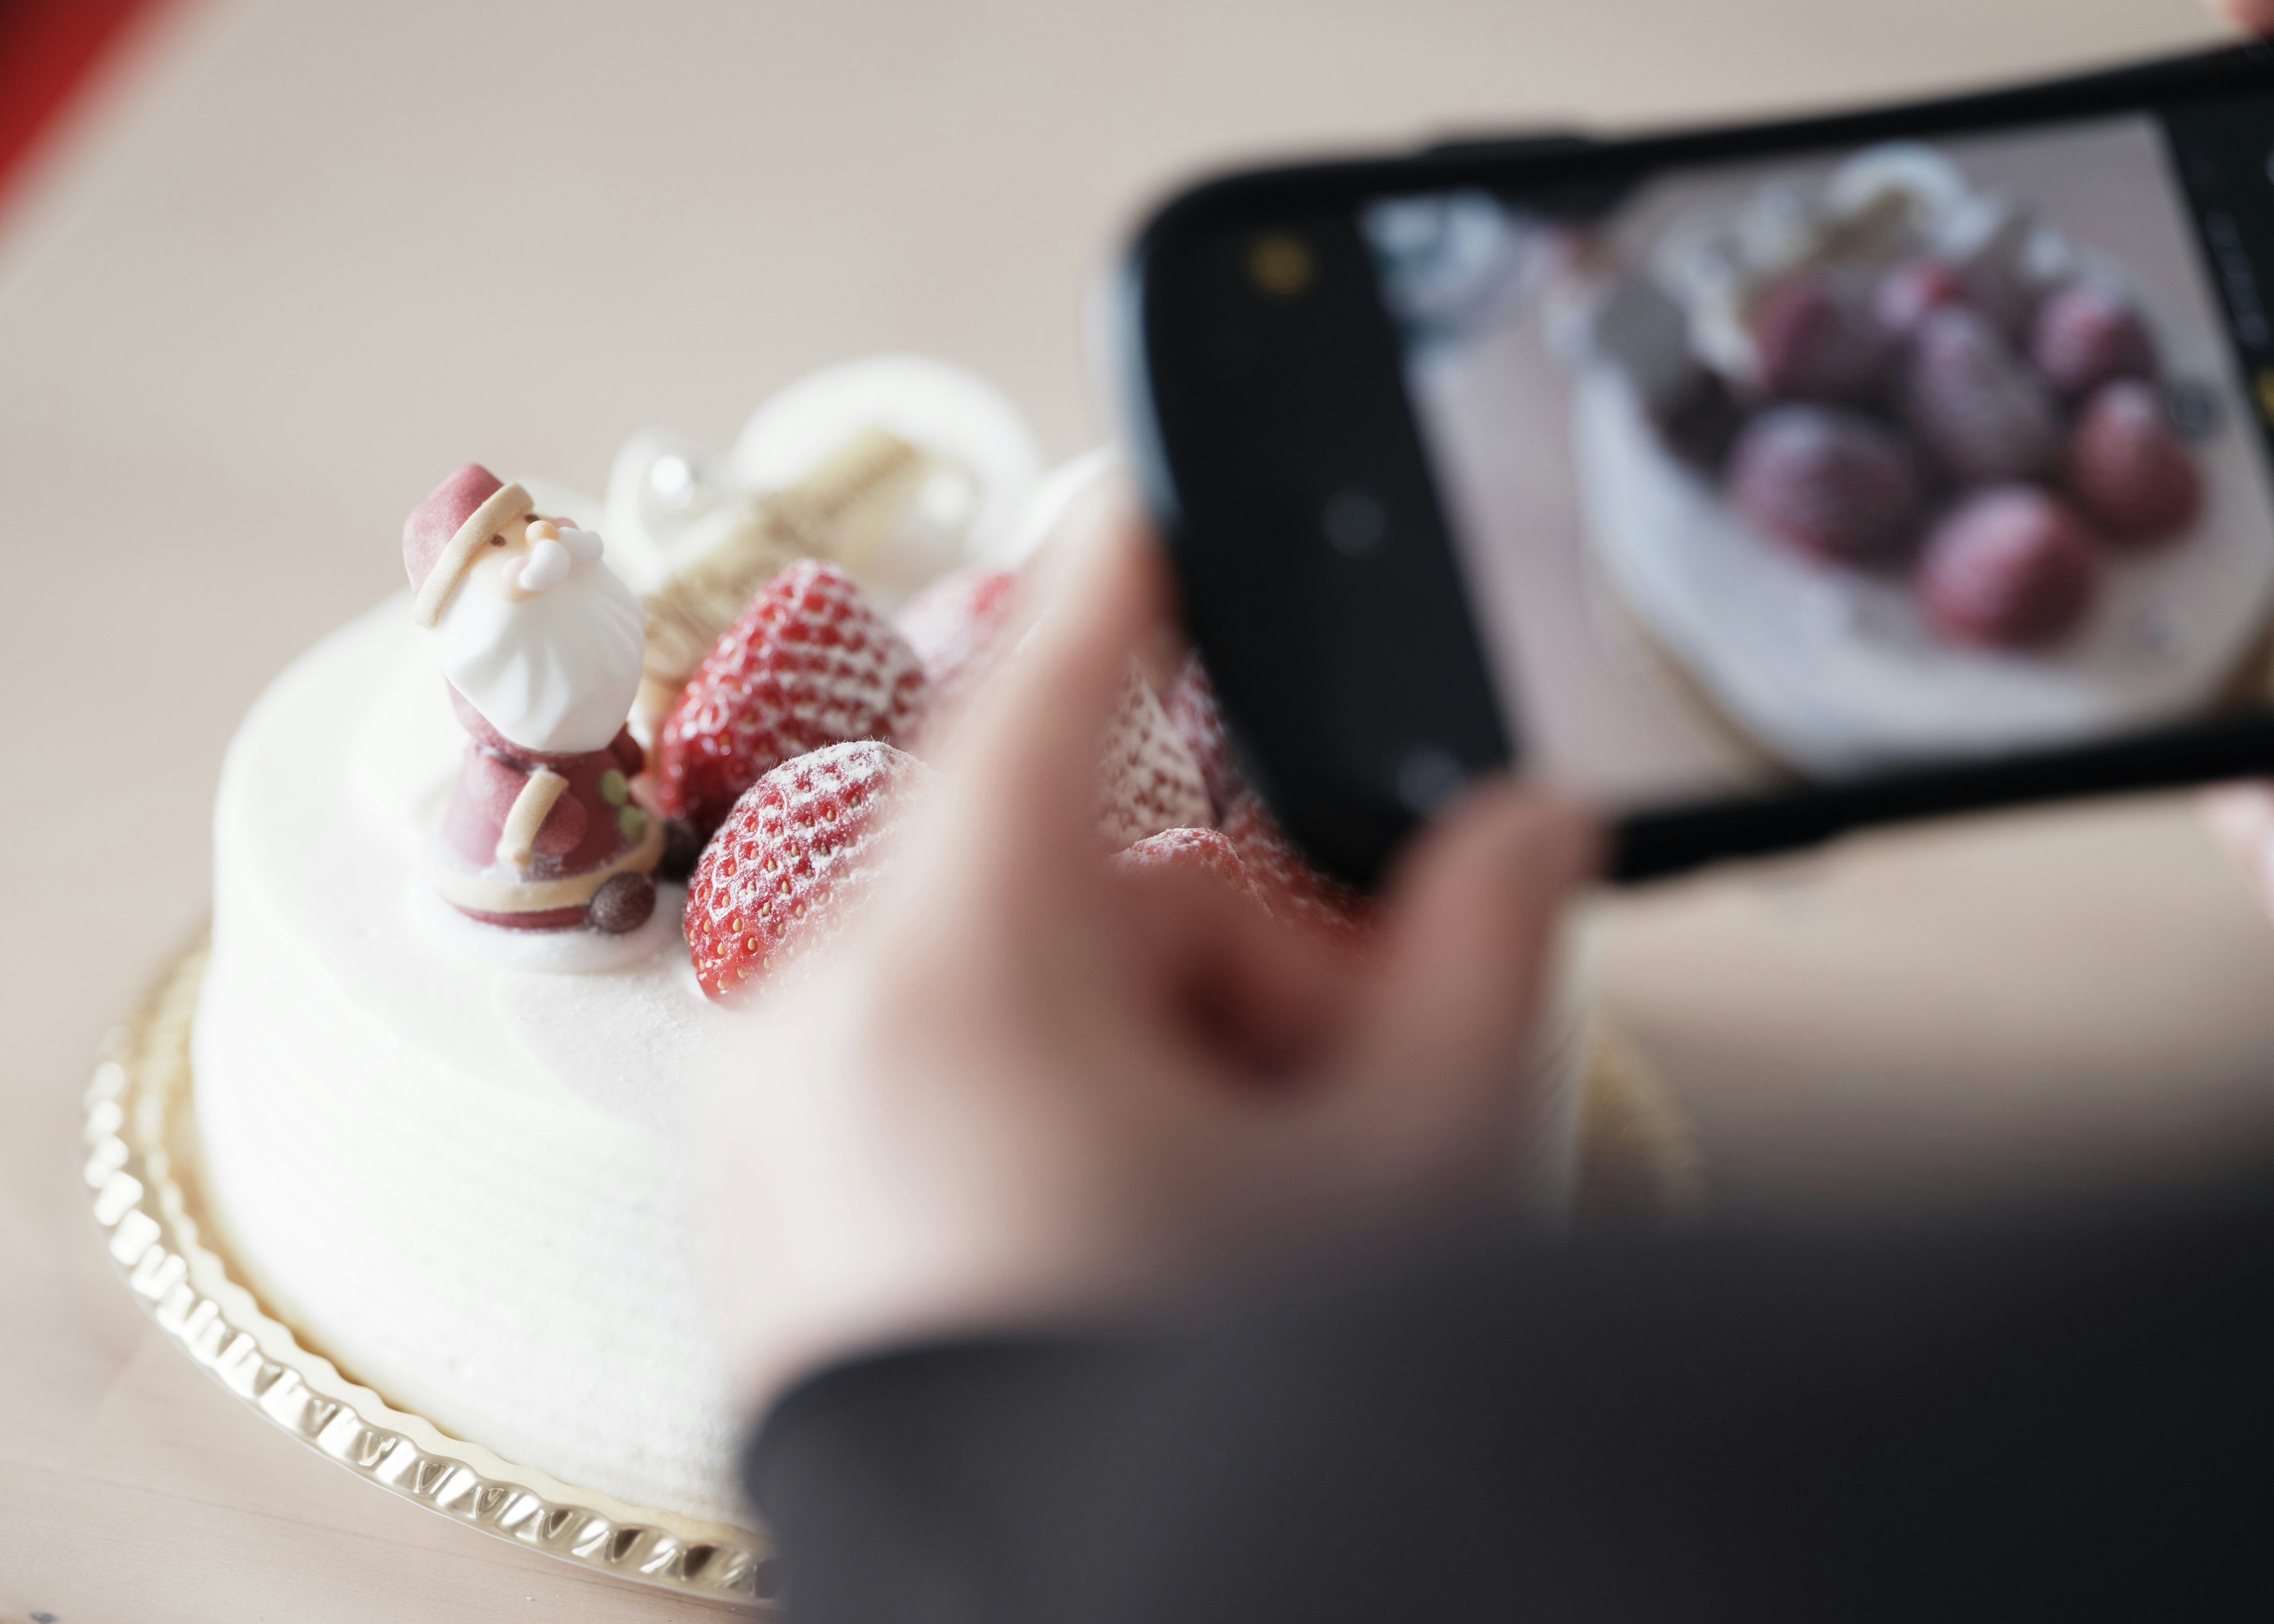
{"x": 1325, "y": 663}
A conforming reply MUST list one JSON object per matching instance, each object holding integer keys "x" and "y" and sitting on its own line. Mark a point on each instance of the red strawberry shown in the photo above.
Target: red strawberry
{"x": 2009, "y": 566}
{"x": 1146, "y": 780}
{"x": 795, "y": 854}
{"x": 1295, "y": 893}
{"x": 2085, "y": 335}
{"x": 954, "y": 625}
{"x": 1908, "y": 294}
{"x": 1973, "y": 404}
{"x": 2128, "y": 470}
{"x": 809, "y": 663}
{"x": 1192, "y": 710}
{"x": 952, "y": 622}
{"x": 1833, "y": 483}
{"x": 1814, "y": 346}
{"x": 1197, "y": 851}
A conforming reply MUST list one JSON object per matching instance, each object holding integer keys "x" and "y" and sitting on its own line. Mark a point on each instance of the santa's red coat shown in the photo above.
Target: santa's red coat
{"x": 591, "y": 829}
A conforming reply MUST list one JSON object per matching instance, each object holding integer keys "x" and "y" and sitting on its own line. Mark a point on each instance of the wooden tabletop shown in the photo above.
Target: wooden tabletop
{"x": 298, "y": 258}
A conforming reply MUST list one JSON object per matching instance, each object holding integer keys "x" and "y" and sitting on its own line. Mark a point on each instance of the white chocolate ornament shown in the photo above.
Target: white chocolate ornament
{"x": 897, "y": 470}
{"x": 982, "y": 460}
{"x": 544, "y": 650}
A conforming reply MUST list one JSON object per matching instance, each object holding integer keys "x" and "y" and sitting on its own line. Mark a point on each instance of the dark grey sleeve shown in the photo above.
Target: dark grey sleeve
{"x": 2052, "y": 1417}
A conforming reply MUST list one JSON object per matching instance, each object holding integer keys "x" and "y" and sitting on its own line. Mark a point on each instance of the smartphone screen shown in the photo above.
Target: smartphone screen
{"x": 1840, "y": 463}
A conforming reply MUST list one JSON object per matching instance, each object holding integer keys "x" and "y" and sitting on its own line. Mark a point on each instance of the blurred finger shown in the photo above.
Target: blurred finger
{"x": 2254, "y": 16}
{"x": 1472, "y": 920}
{"x": 1054, "y": 497}
{"x": 2241, "y": 817}
{"x": 1024, "y": 765}
{"x": 1262, "y": 1002}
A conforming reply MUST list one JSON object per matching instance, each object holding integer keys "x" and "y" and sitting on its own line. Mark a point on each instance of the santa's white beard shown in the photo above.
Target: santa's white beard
{"x": 554, "y": 672}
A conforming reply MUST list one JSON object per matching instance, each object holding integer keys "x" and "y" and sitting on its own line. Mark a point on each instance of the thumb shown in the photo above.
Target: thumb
{"x": 1472, "y": 922}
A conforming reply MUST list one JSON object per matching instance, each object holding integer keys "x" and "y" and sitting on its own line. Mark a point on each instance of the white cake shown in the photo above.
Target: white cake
{"x": 452, "y": 1159}
{"x": 458, "y": 1159}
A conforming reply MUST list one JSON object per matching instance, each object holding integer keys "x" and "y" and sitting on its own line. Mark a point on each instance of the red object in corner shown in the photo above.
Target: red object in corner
{"x": 49, "y": 52}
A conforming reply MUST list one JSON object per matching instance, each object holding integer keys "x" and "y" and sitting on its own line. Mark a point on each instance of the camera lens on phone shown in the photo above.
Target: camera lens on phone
{"x": 1354, "y": 523}
{"x": 1427, "y": 777}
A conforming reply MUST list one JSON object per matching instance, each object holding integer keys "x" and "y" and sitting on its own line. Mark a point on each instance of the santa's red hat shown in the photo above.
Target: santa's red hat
{"x": 444, "y": 533}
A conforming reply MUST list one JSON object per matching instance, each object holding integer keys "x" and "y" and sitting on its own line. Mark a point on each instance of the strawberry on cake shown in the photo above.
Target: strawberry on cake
{"x": 809, "y": 663}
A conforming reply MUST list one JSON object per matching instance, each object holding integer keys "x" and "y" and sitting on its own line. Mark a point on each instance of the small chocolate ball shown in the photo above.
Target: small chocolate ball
{"x": 623, "y": 903}
{"x": 682, "y": 849}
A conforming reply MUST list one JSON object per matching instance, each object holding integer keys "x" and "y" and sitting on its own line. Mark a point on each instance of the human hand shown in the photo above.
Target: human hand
{"x": 2241, "y": 818}
{"x": 1028, "y": 1088}
{"x": 2253, "y": 16}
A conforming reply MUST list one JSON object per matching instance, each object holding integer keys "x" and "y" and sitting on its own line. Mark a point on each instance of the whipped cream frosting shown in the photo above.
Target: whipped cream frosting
{"x": 456, "y": 1161}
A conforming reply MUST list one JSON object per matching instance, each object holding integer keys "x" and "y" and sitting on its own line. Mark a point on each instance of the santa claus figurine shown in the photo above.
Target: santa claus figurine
{"x": 542, "y": 647}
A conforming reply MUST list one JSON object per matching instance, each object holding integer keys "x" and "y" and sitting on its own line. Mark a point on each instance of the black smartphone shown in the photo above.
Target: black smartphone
{"x": 1754, "y": 484}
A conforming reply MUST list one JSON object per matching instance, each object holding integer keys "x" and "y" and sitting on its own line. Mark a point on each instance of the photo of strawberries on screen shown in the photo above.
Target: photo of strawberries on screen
{"x": 1808, "y": 469}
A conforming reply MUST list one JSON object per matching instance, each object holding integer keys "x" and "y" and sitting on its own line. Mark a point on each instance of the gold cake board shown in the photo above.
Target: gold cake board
{"x": 1636, "y": 1161}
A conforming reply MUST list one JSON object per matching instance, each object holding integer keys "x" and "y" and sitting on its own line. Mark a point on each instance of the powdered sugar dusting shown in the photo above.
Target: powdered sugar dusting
{"x": 809, "y": 663}
{"x": 956, "y": 626}
{"x": 1193, "y": 712}
{"x": 1198, "y": 851}
{"x": 792, "y": 861}
{"x": 1295, "y": 893}
{"x": 1147, "y": 779}
{"x": 951, "y": 621}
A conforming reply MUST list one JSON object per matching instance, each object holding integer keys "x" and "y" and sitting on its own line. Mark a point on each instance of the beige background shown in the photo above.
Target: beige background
{"x": 299, "y": 258}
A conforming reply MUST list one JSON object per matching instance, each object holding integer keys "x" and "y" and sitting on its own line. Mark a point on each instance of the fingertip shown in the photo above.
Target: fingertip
{"x": 1474, "y": 910}
{"x": 1551, "y": 841}
{"x": 2240, "y": 819}
{"x": 1101, "y": 539}
{"x": 1026, "y": 752}
{"x": 2251, "y": 16}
